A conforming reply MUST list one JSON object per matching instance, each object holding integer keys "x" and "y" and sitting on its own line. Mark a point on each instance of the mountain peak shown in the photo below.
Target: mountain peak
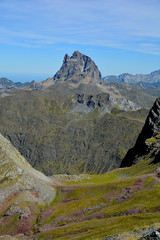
{"x": 66, "y": 58}
{"x": 77, "y": 54}
{"x": 77, "y": 69}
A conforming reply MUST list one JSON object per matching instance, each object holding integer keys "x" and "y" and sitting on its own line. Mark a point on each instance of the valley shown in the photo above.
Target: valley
{"x": 79, "y": 120}
{"x": 74, "y": 122}
{"x": 97, "y": 144}
{"x": 123, "y": 203}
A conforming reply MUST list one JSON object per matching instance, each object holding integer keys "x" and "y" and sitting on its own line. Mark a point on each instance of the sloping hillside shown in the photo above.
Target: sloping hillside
{"x": 61, "y": 135}
{"x": 23, "y": 191}
{"x": 123, "y": 203}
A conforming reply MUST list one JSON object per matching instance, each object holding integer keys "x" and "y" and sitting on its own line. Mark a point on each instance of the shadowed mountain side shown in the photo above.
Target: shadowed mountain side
{"x": 151, "y": 129}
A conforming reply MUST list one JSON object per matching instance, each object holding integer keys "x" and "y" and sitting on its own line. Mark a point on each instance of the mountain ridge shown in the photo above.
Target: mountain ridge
{"x": 143, "y": 79}
{"x": 5, "y": 84}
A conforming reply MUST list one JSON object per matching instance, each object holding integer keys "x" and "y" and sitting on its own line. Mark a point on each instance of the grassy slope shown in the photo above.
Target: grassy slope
{"x": 123, "y": 201}
{"x": 97, "y": 206}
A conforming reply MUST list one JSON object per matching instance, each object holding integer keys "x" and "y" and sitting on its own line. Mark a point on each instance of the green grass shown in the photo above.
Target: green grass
{"x": 99, "y": 228}
{"x": 92, "y": 206}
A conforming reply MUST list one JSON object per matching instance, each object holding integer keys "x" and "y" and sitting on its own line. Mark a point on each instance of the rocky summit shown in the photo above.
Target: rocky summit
{"x": 148, "y": 140}
{"x": 78, "y": 68}
{"x": 75, "y": 70}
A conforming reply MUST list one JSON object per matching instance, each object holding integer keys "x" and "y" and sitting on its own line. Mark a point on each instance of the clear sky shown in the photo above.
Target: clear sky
{"x": 119, "y": 35}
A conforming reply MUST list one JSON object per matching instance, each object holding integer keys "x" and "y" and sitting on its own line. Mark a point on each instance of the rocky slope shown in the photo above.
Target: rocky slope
{"x": 148, "y": 140}
{"x": 16, "y": 174}
{"x": 67, "y": 135}
{"x": 23, "y": 191}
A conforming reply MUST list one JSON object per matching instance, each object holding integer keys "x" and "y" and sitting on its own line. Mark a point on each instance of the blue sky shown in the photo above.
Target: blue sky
{"x": 119, "y": 35}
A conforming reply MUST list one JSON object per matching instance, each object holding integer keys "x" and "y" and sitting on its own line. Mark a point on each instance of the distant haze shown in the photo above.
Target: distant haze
{"x": 26, "y": 77}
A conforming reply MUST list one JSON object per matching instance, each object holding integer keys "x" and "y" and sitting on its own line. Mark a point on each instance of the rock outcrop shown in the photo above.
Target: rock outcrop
{"x": 143, "y": 144}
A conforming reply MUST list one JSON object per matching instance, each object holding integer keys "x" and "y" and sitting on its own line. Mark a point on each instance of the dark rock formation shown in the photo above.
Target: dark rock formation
{"x": 80, "y": 98}
{"x": 151, "y": 234}
{"x": 78, "y": 68}
{"x": 151, "y": 128}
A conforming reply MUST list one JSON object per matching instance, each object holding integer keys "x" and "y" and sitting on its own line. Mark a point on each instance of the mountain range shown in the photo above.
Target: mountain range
{"x": 74, "y": 121}
{"x": 145, "y": 80}
{"x": 99, "y": 147}
{"x": 6, "y": 84}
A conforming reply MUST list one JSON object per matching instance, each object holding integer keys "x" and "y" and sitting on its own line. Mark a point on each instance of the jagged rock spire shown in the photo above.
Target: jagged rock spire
{"x": 78, "y": 68}
{"x": 150, "y": 129}
{"x": 152, "y": 124}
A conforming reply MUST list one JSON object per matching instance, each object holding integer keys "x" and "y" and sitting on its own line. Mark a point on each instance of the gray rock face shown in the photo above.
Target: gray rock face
{"x": 78, "y": 68}
{"x": 100, "y": 101}
{"x": 16, "y": 209}
{"x": 152, "y": 124}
